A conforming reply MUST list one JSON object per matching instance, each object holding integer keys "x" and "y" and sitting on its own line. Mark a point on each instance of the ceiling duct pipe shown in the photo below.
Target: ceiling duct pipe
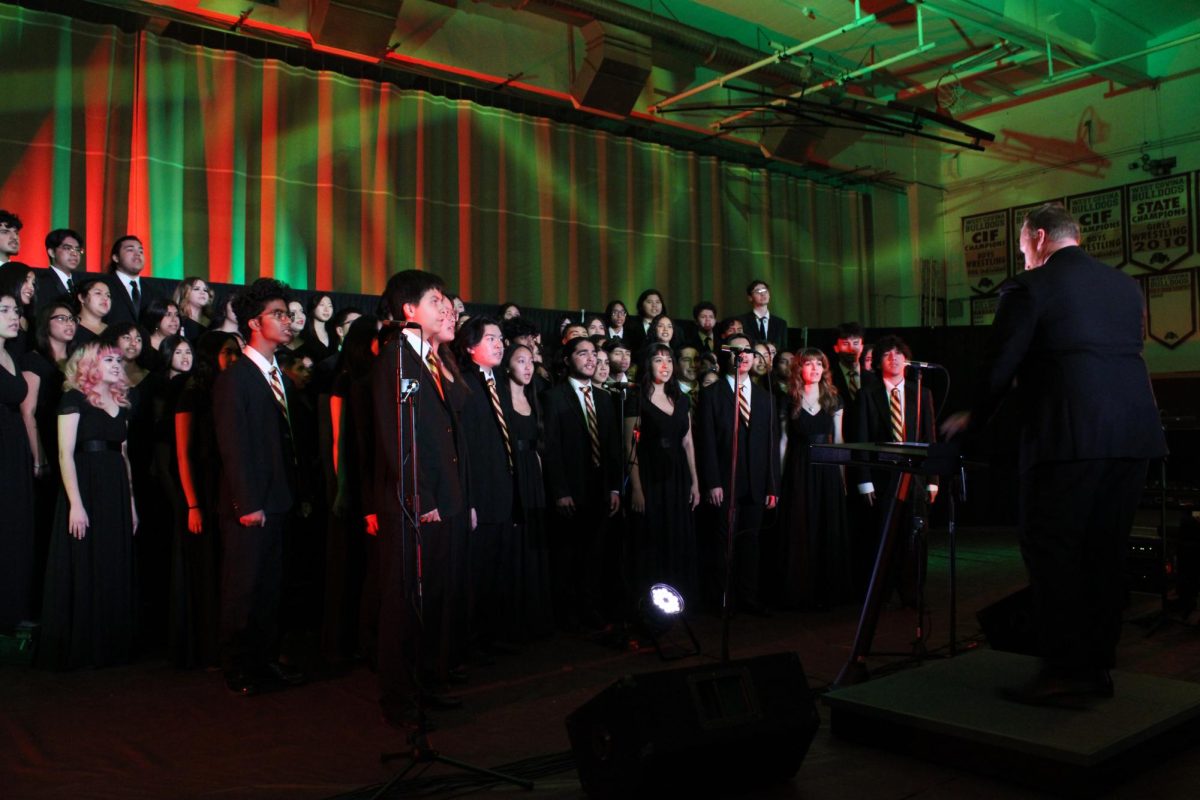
{"x": 717, "y": 52}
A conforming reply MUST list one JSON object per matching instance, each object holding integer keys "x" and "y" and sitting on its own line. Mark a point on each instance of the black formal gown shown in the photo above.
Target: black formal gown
{"x": 16, "y": 530}
{"x": 88, "y": 610}
{"x": 814, "y": 558}
{"x": 533, "y": 588}
{"x": 663, "y": 540}
{"x": 194, "y": 609}
{"x": 45, "y": 488}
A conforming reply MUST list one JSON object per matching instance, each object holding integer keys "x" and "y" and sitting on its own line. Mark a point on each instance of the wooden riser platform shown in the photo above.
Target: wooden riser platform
{"x": 950, "y": 712}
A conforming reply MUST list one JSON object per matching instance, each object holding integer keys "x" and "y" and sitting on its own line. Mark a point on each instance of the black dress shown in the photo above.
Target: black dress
{"x": 664, "y": 536}
{"x": 814, "y": 557}
{"x": 194, "y": 611}
{"x": 88, "y": 609}
{"x": 16, "y": 529}
{"x": 533, "y": 589}
{"x": 46, "y": 487}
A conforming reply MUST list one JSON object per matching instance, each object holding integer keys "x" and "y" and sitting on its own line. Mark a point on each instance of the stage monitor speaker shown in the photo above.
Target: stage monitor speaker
{"x": 1008, "y": 624}
{"x": 361, "y": 26}
{"x": 697, "y": 731}
{"x": 615, "y": 69}
{"x": 795, "y": 143}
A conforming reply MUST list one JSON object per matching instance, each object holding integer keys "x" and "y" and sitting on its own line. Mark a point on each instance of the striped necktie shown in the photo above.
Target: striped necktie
{"x": 744, "y": 405}
{"x": 593, "y": 430}
{"x": 135, "y": 294}
{"x": 491, "y": 385}
{"x": 280, "y": 397}
{"x": 897, "y": 416}
{"x": 852, "y": 383}
{"x": 435, "y": 370}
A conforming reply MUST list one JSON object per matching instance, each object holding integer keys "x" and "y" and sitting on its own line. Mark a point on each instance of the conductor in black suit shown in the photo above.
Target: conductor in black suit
{"x": 1068, "y": 333}
{"x": 493, "y": 570}
{"x": 888, "y": 411}
{"x": 258, "y": 489}
{"x": 129, "y": 297}
{"x": 756, "y": 489}
{"x": 425, "y": 481}
{"x": 583, "y": 478}
{"x": 64, "y": 248}
{"x": 759, "y": 322}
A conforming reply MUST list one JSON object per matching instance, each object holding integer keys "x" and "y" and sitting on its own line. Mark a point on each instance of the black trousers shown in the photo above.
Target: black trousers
{"x": 493, "y": 580}
{"x": 1075, "y": 522}
{"x": 437, "y": 616}
{"x": 748, "y": 518}
{"x": 577, "y": 561}
{"x": 251, "y": 585}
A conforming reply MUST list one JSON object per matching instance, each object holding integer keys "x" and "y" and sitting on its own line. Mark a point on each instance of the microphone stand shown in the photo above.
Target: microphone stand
{"x": 420, "y": 751}
{"x": 726, "y": 610}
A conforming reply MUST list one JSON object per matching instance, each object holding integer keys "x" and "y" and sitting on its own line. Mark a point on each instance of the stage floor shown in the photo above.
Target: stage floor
{"x": 149, "y": 731}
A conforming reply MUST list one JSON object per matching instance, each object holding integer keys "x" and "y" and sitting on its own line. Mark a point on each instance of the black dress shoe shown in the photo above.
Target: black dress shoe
{"x": 1062, "y": 691}
{"x": 285, "y": 674}
{"x": 440, "y": 702}
{"x": 242, "y": 683}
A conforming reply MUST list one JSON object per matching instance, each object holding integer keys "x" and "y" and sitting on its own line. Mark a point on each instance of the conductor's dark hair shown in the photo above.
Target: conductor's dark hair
{"x": 1055, "y": 220}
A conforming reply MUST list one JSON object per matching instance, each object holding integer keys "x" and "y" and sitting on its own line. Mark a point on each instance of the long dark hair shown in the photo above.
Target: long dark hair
{"x": 204, "y": 358}
{"x": 356, "y": 355}
{"x": 827, "y": 393}
{"x": 309, "y": 334}
{"x": 528, "y": 390}
{"x": 645, "y": 379}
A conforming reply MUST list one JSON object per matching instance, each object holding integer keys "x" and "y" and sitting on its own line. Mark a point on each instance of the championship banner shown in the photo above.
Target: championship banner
{"x": 1171, "y": 307}
{"x": 985, "y": 250}
{"x": 1017, "y": 214}
{"x": 1160, "y": 222}
{"x": 1101, "y": 218}
{"x": 983, "y": 310}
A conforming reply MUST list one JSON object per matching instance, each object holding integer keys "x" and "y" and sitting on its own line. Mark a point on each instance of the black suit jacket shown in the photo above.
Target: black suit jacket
{"x": 713, "y": 430}
{"x": 122, "y": 304}
{"x": 1070, "y": 333}
{"x": 850, "y": 406}
{"x": 874, "y": 422}
{"x": 491, "y": 478}
{"x": 441, "y": 450}
{"x": 777, "y": 329}
{"x": 49, "y": 288}
{"x": 568, "y": 457}
{"x": 257, "y": 457}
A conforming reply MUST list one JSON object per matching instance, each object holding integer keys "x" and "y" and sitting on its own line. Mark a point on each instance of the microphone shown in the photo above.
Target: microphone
{"x": 399, "y": 323}
{"x": 924, "y": 365}
{"x": 619, "y": 385}
{"x": 738, "y": 350}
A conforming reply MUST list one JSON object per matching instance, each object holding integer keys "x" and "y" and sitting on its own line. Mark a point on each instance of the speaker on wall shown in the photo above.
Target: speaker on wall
{"x": 696, "y": 731}
{"x": 615, "y": 69}
{"x": 359, "y": 26}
